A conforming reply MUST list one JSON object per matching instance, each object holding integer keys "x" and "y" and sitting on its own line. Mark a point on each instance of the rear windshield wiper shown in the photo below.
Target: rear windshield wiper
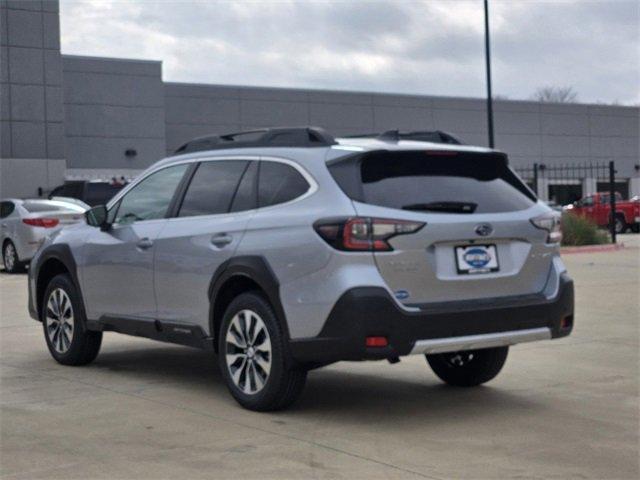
{"x": 449, "y": 207}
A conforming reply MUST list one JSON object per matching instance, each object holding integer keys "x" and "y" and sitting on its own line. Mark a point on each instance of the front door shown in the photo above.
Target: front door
{"x": 117, "y": 264}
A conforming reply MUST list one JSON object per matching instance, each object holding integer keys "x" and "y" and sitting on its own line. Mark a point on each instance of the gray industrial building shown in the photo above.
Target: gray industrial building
{"x": 70, "y": 117}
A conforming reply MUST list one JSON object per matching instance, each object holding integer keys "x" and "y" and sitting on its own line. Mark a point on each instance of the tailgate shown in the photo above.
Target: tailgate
{"x": 424, "y": 267}
{"x": 478, "y": 240}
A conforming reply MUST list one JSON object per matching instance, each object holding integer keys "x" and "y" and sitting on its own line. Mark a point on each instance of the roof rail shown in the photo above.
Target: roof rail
{"x": 265, "y": 137}
{"x": 435, "y": 136}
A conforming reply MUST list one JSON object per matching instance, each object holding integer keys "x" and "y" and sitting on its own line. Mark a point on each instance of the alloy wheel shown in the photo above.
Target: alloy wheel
{"x": 459, "y": 359}
{"x": 59, "y": 320}
{"x": 619, "y": 226}
{"x": 9, "y": 257}
{"x": 248, "y": 352}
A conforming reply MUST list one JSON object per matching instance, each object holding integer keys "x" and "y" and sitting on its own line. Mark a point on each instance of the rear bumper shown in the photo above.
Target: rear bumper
{"x": 451, "y": 326}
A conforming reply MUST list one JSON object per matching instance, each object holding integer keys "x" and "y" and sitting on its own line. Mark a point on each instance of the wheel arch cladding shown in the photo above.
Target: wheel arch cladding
{"x": 238, "y": 275}
{"x": 55, "y": 260}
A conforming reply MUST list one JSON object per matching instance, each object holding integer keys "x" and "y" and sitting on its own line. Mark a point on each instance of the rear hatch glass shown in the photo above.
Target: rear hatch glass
{"x": 446, "y": 182}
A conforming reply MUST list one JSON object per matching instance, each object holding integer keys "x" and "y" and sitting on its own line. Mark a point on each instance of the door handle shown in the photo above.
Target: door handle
{"x": 221, "y": 240}
{"x": 144, "y": 244}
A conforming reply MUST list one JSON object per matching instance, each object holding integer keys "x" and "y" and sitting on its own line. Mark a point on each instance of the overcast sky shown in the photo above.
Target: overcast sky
{"x": 432, "y": 47}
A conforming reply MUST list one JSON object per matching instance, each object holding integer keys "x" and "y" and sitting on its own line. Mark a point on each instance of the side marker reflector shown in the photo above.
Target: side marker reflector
{"x": 376, "y": 342}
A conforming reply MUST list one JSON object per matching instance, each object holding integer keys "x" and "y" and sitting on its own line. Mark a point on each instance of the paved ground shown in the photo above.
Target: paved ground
{"x": 560, "y": 409}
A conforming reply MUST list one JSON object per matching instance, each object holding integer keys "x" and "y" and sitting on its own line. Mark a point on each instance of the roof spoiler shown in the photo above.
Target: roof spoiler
{"x": 434, "y": 136}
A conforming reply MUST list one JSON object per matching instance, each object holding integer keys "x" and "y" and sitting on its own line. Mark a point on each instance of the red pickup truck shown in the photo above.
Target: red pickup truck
{"x": 597, "y": 208}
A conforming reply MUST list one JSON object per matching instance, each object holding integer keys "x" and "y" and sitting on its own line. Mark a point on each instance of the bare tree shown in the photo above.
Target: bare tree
{"x": 555, "y": 95}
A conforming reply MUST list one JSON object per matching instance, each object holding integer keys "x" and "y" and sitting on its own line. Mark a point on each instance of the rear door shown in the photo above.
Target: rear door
{"x": 205, "y": 231}
{"x": 478, "y": 241}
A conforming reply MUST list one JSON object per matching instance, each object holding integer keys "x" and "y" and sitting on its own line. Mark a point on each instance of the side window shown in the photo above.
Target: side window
{"x": 246, "y": 196}
{"x": 605, "y": 199}
{"x": 6, "y": 209}
{"x": 587, "y": 202}
{"x": 212, "y": 188}
{"x": 150, "y": 198}
{"x": 279, "y": 183}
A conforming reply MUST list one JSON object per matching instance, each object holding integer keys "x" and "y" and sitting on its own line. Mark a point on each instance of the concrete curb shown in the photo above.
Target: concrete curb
{"x": 592, "y": 248}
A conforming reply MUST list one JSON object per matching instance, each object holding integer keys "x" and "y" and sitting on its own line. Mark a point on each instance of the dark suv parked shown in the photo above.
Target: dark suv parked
{"x": 90, "y": 192}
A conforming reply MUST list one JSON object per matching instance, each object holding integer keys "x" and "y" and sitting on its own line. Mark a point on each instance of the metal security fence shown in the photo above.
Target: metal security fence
{"x": 565, "y": 183}
{"x": 567, "y": 174}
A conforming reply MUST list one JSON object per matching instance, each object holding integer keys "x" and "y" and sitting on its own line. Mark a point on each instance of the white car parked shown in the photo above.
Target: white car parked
{"x": 24, "y": 224}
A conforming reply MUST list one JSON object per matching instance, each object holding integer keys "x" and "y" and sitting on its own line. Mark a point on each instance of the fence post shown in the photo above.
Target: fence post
{"x": 535, "y": 178}
{"x": 612, "y": 199}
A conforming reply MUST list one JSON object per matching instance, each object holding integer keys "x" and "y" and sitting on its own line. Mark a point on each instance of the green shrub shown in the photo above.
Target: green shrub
{"x": 578, "y": 231}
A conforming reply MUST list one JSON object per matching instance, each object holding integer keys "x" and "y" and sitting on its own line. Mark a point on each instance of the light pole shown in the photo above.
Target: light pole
{"x": 487, "y": 51}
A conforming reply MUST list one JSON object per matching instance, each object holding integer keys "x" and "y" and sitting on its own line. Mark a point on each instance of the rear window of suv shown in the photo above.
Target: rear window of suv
{"x": 434, "y": 182}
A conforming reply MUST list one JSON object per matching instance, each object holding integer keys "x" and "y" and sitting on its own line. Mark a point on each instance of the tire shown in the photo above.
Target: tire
{"x": 78, "y": 346}
{"x": 12, "y": 263}
{"x": 620, "y": 224}
{"x": 469, "y": 368}
{"x": 254, "y": 358}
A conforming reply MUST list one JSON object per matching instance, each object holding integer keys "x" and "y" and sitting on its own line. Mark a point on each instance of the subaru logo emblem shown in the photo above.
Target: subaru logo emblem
{"x": 484, "y": 229}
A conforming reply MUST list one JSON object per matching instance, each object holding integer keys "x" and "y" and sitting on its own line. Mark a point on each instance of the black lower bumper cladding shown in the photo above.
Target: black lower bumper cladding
{"x": 370, "y": 311}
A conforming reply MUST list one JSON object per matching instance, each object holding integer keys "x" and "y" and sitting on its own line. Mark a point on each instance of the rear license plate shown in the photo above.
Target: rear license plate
{"x": 474, "y": 259}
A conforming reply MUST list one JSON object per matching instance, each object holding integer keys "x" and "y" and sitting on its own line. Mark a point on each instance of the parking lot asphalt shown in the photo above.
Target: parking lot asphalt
{"x": 565, "y": 408}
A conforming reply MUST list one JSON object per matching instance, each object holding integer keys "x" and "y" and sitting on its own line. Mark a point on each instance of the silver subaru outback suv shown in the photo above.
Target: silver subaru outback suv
{"x": 284, "y": 250}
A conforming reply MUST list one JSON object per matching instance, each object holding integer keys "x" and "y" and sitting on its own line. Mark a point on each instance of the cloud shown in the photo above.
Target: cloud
{"x": 430, "y": 47}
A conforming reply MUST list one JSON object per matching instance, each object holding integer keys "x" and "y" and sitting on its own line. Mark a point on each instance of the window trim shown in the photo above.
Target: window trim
{"x": 175, "y": 207}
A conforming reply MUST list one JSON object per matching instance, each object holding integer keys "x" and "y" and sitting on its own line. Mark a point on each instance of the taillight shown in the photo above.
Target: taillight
{"x": 552, "y": 224}
{"x": 363, "y": 233}
{"x": 41, "y": 222}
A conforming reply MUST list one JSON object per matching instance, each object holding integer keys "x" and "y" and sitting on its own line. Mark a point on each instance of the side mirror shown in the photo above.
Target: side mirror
{"x": 97, "y": 217}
